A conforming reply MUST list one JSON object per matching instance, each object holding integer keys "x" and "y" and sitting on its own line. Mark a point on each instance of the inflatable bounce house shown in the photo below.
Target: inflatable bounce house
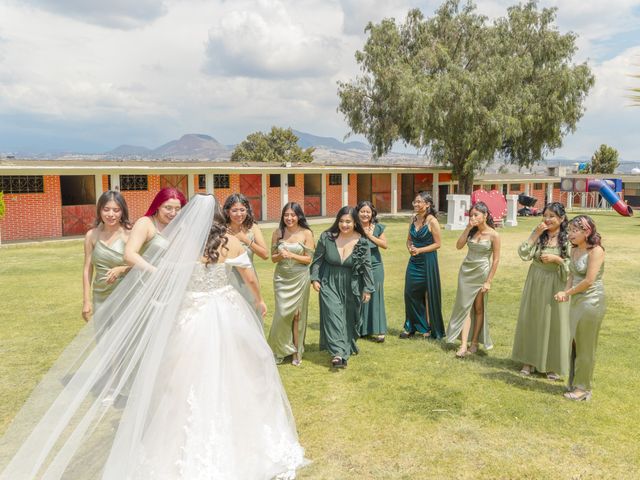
{"x": 607, "y": 188}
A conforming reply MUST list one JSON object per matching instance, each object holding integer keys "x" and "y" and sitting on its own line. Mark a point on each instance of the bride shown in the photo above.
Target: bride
{"x": 182, "y": 385}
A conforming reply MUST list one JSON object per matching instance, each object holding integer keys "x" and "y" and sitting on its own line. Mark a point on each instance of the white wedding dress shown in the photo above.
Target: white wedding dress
{"x": 218, "y": 409}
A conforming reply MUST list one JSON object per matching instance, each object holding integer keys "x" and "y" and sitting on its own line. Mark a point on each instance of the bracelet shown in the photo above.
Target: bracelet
{"x": 250, "y": 243}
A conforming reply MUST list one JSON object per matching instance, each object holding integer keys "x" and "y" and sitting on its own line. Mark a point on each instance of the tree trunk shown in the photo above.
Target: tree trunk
{"x": 465, "y": 183}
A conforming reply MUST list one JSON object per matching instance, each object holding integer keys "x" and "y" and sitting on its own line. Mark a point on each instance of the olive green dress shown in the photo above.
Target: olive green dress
{"x": 291, "y": 288}
{"x": 542, "y": 337}
{"x": 472, "y": 275}
{"x": 587, "y": 311}
{"x": 153, "y": 246}
{"x": 103, "y": 259}
{"x": 373, "y": 313}
{"x": 341, "y": 288}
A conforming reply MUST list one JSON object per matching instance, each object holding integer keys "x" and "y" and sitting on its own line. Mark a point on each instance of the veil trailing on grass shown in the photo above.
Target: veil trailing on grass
{"x": 68, "y": 426}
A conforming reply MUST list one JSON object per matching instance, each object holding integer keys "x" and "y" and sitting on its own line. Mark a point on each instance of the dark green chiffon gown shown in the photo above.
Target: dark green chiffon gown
{"x": 422, "y": 290}
{"x": 373, "y": 313}
{"x": 341, "y": 288}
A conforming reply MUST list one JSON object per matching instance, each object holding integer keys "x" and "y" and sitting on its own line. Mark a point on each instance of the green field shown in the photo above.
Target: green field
{"x": 405, "y": 409}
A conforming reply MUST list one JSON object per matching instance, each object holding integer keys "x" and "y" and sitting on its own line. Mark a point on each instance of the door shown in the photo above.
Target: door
{"x": 251, "y": 187}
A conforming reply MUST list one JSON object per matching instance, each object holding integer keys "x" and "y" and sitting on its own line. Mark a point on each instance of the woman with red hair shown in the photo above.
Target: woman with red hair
{"x": 147, "y": 231}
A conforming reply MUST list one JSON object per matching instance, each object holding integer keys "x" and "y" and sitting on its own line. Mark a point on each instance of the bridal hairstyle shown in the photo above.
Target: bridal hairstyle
{"x": 297, "y": 209}
{"x": 87, "y": 416}
{"x": 113, "y": 195}
{"x": 241, "y": 199}
{"x": 563, "y": 244}
{"x": 482, "y": 208}
{"x": 588, "y": 226}
{"x": 162, "y": 196}
{"x": 217, "y": 236}
{"x": 334, "y": 230}
{"x": 374, "y": 212}
{"x": 431, "y": 209}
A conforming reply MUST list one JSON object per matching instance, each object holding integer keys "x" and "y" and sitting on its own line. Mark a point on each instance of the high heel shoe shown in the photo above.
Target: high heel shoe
{"x": 473, "y": 348}
{"x": 296, "y": 361}
{"x": 578, "y": 396}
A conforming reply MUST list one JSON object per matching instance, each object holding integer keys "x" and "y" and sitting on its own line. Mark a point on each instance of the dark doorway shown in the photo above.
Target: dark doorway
{"x": 443, "y": 191}
{"x": 78, "y": 195}
{"x": 312, "y": 194}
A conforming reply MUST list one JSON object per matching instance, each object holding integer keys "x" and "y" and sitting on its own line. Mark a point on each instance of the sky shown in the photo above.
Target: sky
{"x": 89, "y": 75}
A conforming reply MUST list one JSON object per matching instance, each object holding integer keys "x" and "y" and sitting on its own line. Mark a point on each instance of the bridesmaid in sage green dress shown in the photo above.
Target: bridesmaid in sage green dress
{"x": 292, "y": 247}
{"x": 422, "y": 292}
{"x": 242, "y": 225}
{"x": 104, "y": 252}
{"x": 474, "y": 281}
{"x": 341, "y": 273}
{"x": 373, "y": 313}
{"x": 146, "y": 236}
{"x": 542, "y": 335}
{"x": 585, "y": 288}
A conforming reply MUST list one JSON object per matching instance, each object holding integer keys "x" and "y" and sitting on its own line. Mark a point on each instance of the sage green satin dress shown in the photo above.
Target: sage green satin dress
{"x": 103, "y": 259}
{"x": 341, "y": 288}
{"x": 238, "y": 283}
{"x": 587, "y": 311}
{"x": 153, "y": 246}
{"x": 543, "y": 336}
{"x": 373, "y": 313}
{"x": 291, "y": 289}
{"x": 472, "y": 275}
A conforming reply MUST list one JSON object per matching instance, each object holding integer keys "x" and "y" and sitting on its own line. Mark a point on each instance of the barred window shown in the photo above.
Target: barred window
{"x": 22, "y": 184}
{"x": 335, "y": 179}
{"x": 274, "y": 180}
{"x": 514, "y": 187}
{"x": 221, "y": 181}
{"x": 133, "y": 182}
{"x": 537, "y": 186}
{"x": 202, "y": 181}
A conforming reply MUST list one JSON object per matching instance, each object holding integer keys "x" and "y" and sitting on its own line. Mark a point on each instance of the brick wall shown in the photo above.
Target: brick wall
{"x": 33, "y": 215}
{"x": 139, "y": 201}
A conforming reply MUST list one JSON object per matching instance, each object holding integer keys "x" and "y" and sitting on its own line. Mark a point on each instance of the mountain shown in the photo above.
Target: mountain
{"x": 192, "y": 145}
{"x": 306, "y": 140}
{"x": 129, "y": 151}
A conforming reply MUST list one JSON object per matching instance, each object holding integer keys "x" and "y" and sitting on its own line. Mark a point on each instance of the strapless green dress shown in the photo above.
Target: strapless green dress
{"x": 587, "y": 311}
{"x": 103, "y": 259}
{"x": 291, "y": 288}
{"x": 472, "y": 275}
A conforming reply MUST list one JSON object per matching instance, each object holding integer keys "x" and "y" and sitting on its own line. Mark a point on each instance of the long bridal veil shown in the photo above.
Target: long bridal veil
{"x": 68, "y": 425}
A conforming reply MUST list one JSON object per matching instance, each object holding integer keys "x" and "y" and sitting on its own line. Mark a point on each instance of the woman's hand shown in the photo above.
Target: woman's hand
{"x": 561, "y": 296}
{"x": 550, "y": 258}
{"x": 284, "y": 253}
{"x": 86, "y": 311}
{"x": 261, "y": 307}
{"x": 486, "y": 286}
{"x": 366, "y": 296}
{"x": 540, "y": 228}
{"x": 413, "y": 250}
{"x": 316, "y": 285}
{"x": 243, "y": 237}
{"x": 114, "y": 273}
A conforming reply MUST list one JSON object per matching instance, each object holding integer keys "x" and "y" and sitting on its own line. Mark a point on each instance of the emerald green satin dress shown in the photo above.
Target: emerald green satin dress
{"x": 291, "y": 288}
{"x": 103, "y": 259}
{"x": 587, "y": 311}
{"x": 422, "y": 288}
{"x": 542, "y": 336}
{"x": 373, "y": 313}
{"x": 472, "y": 275}
{"x": 341, "y": 288}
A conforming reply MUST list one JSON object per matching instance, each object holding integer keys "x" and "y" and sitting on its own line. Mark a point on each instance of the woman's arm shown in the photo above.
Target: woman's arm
{"x": 316, "y": 263}
{"x": 495, "y": 260}
{"x": 380, "y": 241}
{"x": 594, "y": 262}
{"x": 276, "y": 254}
{"x": 249, "y": 278}
{"x": 258, "y": 245}
{"x": 462, "y": 239}
{"x": 87, "y": 275}
{"x": 142, "y": 231}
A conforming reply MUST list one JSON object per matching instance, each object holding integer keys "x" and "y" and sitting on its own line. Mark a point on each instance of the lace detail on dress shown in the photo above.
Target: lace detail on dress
{"x": 206, "y": 278}
{"x": 284, "y": 452}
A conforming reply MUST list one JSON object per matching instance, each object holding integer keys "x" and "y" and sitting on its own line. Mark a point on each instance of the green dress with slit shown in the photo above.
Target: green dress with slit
{"x": 291, "y": 291}
{"x": 373, "y": 313}
{"x": 542, "y": 336}
{"x": 341, "y": 288}
{"x": 473, "y": 273}
{"x": 587, "y": 311}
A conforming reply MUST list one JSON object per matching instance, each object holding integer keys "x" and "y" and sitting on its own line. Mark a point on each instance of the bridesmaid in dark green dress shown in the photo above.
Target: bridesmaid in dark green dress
{"x": 542, "y": 337}
{"x": 341, "y": 273}
{"x": 585, "y": 288}
{"x": 104, "y": 252}
{"x": 373, "y": 313}
{"x": 422, "y": 293}
{"x": 291, "y": 250}
{"x": 474, "y": 281}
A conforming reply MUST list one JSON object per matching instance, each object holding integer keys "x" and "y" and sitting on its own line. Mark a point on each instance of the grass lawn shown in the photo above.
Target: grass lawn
{"x": 405, "y": 409}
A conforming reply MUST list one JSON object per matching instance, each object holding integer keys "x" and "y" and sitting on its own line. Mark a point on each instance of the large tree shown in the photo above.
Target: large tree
{"x": 279, "y": 145}
{"x": 465, "y": 90}
{"x": 604, "y": 160}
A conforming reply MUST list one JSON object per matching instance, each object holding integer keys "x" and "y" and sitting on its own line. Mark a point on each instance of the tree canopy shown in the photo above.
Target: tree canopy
{"x": 466, "y": 91}
{"x": 604, "y": 160}
{"x": 279, "y": 145}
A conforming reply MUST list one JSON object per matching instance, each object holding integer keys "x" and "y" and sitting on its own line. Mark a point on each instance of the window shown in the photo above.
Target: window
{"x": 202, "y": 182}
{"x": 22, "y": 184}
{"x": 335, "y": 179}
{"x": 537, "y": 186}
{"x": 133, "y": 183}
{"x": 556, "y": 185}
{"x": 514, "y": 187}
{"x": 274, "y": 180}
{"x": 220, "y": 181}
